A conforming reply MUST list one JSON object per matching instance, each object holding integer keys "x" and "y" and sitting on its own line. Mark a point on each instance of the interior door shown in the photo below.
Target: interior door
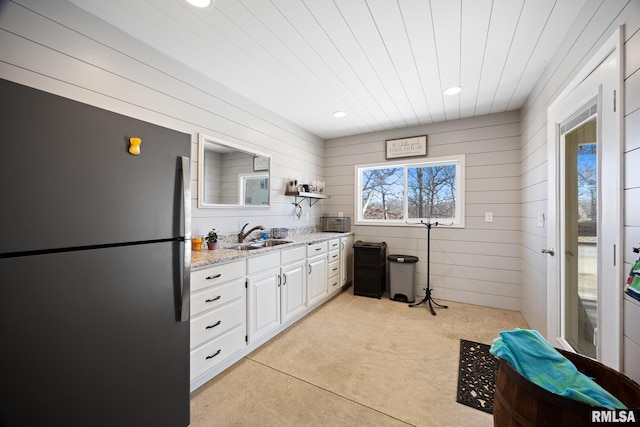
{"x": 584, "y": 288}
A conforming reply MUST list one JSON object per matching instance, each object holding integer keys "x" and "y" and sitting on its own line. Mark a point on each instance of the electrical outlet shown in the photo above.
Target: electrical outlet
{"x": 488, "y": 217}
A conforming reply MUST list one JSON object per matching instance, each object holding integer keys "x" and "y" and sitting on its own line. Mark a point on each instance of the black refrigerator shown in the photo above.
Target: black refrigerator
{"x": 94, "y": 266}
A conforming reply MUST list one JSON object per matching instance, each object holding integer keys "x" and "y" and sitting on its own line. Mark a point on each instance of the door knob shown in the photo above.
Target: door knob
{"x": 549, "y": 251}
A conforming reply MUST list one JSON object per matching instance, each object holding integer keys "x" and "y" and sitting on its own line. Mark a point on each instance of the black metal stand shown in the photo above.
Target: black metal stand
{"x": 427, "y": 297}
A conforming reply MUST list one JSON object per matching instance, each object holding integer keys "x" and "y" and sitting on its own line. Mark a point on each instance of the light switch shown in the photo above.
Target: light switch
{"x": 488, "y": 217}
{"x": 540, "y": 220}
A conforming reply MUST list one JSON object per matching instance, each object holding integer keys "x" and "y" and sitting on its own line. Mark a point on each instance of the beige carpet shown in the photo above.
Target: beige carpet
{"x": 355, "y": 361}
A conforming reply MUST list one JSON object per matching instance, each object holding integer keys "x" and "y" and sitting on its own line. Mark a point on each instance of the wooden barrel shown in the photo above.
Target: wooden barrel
{"x": 519, "y": 402}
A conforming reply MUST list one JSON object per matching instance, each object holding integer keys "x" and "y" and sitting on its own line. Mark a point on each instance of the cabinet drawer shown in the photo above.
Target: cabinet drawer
{"x": 263, "y": 262}
{"x": 214, "y": 323}
{"x": 293, "y": 255}
{"x": 214, "y": 275}
{"x": 316, "y": 249}
{"x": 216, "y": 351}
{"x": 334, "y": 244}
{"x": 334, "y": 269}
{"x": 334, "y": 256}
{"x": 215, "y": 296}
{"x": 334, "y": 283}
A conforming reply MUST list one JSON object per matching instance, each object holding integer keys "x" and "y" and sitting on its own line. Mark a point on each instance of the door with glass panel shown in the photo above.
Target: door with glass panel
{"x": 584, "y": 234}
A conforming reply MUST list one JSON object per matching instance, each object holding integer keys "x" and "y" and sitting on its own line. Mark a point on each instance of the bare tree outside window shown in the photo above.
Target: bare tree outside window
{"x": 587, "y": 189}
{"x": 587, "y": 180}
{"x": 382, "y": 193}
{"x": 398, "y": 193}
{"x": 432, "y": 191}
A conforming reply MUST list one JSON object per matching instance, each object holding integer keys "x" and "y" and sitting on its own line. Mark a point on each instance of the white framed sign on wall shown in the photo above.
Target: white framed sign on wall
{"x": 413, "y": 146}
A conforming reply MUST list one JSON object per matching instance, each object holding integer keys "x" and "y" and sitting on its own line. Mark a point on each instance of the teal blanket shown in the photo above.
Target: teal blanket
{"x": 535, "y": 359}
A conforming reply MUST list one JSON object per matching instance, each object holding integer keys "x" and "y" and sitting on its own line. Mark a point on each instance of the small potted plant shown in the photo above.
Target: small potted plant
{"x": 212, "y": 239}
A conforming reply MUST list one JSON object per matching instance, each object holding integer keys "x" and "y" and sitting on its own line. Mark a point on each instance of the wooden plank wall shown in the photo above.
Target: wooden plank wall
{"x": 631, "y": 342}
{"x": 478, "y": 264}
{"x": 593, "y": 26}
{"x": 57, "y": 47}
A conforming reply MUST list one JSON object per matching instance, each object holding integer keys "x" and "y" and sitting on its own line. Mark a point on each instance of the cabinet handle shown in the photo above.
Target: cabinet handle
{"x": 214, "y": 354}
{"x": 309, "y": 269}
{"x": 212, "y": 299}
{"x": 279, "y": 279}
{"x": 335, "y": 269}
{"x": 214, "y": 325}
{"x": 318, "y": 249}
{"x": 285, "y": 279}
{"x": 214, "y": 277}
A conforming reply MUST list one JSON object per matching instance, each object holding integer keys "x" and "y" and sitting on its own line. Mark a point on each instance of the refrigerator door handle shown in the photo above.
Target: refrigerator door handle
{"x": 186, "y": 266}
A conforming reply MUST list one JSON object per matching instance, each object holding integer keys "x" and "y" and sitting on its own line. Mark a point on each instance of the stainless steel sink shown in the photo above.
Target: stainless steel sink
{"x": 242, "y": 247}
{"x": 269, "y": 243}
{"x": 252, "y": 246}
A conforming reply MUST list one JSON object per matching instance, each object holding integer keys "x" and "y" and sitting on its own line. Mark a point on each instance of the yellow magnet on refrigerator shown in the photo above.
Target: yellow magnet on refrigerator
{"x": 134, "y": 147}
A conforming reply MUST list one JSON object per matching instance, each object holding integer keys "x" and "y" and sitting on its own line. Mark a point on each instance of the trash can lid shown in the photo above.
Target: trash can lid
{"x": 361, "y": 244}
{"x": 403, "y": 258}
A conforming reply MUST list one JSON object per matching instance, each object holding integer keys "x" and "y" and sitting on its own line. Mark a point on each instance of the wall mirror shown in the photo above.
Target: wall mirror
{"x": 230, "y": 175}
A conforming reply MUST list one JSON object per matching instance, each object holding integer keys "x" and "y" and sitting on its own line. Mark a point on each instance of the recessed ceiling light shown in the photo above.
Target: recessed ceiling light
{"x": 199, "y": 3}
{"x": 453, "y": 90}
{"x": 339, "y": 114}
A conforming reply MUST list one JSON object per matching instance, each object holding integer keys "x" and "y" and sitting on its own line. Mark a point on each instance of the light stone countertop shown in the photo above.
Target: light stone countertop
{"x": 207, "y": 258}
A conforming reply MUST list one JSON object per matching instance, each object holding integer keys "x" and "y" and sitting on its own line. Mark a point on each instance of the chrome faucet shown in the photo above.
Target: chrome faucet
{"x": 242, "y": 235}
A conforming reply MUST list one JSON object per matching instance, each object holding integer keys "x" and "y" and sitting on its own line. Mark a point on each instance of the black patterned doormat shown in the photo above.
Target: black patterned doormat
{"x": 476, "y": 376}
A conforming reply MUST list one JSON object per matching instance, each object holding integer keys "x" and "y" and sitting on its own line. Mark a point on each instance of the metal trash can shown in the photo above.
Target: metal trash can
{"x": 369, "y": 269}
{"x": 402, "y": 275}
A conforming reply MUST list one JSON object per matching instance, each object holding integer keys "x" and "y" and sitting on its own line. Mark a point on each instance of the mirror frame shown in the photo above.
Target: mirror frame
{"x": 202, "y": 141}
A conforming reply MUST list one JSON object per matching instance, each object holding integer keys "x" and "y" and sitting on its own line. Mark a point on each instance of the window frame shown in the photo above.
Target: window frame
{"x": 458, "y": 160}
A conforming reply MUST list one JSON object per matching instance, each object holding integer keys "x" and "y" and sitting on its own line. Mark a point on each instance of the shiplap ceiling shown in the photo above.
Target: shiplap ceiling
{"x": 385, "y": 63}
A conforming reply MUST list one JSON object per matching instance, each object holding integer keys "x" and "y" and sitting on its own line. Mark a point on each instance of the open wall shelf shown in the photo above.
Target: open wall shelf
{"x": 313, "y": 198}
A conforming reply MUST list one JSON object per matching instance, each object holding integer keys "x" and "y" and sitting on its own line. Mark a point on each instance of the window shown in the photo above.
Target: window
{"x": 396, "y": 193}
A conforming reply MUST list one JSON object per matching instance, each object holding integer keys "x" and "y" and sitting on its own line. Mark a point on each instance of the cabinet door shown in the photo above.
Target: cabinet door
{"x": 316, "y": 279}
{"x": 264, "y": 302}
{"x": 293, "y": 290}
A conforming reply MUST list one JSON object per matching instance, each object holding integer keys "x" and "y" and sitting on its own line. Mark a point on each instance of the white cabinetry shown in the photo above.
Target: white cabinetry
{"x": 346, "y": 260}
{"x": 218, "y": 317}
{"x": 239, "y": 305}
{"x": 316, "y": 273}
{"x": 333, "y": 270}
{"x": 263, "y": 284}
{"x": 293, "y": 282}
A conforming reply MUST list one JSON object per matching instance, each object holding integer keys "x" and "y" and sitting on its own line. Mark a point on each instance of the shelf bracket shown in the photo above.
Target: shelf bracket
{"x": 312, "y": 198}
